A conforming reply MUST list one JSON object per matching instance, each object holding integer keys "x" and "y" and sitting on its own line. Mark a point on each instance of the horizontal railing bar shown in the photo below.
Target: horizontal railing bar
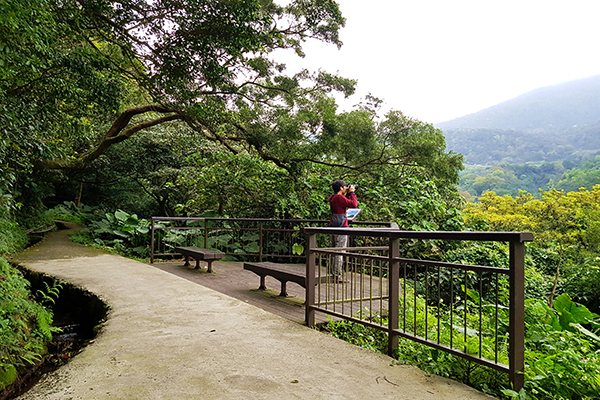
{"x": 350, "y": 300}
{"x": 245, "y": 255}
{"x": 178, "y": 218}
{"x": 356, "y": 248}
{"x": 412, "y": 261}
{"x": 295, "y": 221}
{"x": 356, "y": 255}
{"x": 222, "y": 228}
{"x": 274, "y": 255}
{"x": 447, "y": 349}
{"x": 177, "y": 228}
{"x": 430, "y": 235}
{"x": 465, "y": 267}
{"x": 349, "y": 318}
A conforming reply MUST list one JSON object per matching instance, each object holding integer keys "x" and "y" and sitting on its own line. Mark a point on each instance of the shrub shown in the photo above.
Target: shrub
{"x": 562, "y": 356}
{"x": 12, "y": 237}
{"x": 24, "y": 325}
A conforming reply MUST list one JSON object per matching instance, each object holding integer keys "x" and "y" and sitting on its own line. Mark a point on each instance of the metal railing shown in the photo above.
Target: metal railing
{"x": 457, "y": 308}
{"x": 261, "y": 238}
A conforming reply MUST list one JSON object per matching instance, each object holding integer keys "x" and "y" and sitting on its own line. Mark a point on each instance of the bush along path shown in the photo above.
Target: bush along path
{"x": 25, "y": 327}
{"x": 43, "y": 323}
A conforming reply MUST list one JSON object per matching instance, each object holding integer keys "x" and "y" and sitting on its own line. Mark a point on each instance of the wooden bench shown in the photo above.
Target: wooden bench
{"x": 200, "y": 254}
{"x": 282, "y": 272}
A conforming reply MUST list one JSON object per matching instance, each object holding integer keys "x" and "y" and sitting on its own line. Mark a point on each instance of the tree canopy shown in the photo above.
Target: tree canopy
{"x": 79, "y": 77}
{"x": 114, "y": 68}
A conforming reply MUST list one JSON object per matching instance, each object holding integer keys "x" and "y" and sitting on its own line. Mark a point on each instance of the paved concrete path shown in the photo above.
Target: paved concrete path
{"x": 169, "y": 338}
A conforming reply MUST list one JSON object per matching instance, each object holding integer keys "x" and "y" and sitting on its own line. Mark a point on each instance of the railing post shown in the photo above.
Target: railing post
{"x": 394, "y": 291}
{"x": 152, "y": 243}
{"x": 310, "y": 280}
{"x": 517, "y": 315}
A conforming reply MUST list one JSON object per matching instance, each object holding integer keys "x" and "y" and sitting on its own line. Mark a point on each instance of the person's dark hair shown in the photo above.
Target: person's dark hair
{"x": 337, "y": 185}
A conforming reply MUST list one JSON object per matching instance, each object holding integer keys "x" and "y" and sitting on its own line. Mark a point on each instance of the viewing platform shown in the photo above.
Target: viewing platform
{"x": 171, "y": 334}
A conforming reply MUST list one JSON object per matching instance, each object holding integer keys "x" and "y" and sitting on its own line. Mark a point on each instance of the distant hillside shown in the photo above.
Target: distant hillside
{"x": 491, "y": 146}
{"x": 555, "y": 123}
{"x": 552, "y": 109}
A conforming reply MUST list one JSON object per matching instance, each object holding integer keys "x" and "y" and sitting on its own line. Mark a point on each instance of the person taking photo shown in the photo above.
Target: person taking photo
{"x": 344, "y": 197}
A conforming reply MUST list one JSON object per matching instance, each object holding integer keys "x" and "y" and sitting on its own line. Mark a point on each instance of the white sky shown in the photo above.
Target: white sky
{"x": 436, "y": 60}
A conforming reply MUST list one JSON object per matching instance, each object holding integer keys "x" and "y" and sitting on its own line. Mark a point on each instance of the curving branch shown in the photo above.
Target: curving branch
{"x": 116, "y": 134}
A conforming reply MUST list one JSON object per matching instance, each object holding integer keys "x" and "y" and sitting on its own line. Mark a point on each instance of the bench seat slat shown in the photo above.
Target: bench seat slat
{"x": 282, "y": 272}
{"x": 198, "y": 254}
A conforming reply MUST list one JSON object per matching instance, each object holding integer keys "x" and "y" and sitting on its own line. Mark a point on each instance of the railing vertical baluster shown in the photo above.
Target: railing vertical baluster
{"x": 394, "y": 295}
{"x": 496, "y": 322}
{"x": 381, "y": 273}
{"x": 350, "y": 279}
{"x": 343, "y": 284}
{"x": 480, "y": 312}
{"x": 465, "y": 306}
{"x": 260, "y": 240}
{"x": 152, "y": 243}
{"x": 439, "y": 318}
{"x": 319, "y": 263}
{"x": 426, "y": 298}
{"x": 451, "y": 306}
{"x": 371, "y": 291}
{"x": 415, "y": 300}
{"x": 329, "y": 280}
{"x": 404, "y": 299}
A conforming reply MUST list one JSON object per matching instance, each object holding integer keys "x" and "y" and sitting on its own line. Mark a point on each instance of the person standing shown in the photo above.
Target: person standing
{"x": 342, "y": 199}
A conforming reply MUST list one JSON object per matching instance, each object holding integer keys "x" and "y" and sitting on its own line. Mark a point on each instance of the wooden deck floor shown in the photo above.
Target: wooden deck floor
{"x": 231, "y": 279}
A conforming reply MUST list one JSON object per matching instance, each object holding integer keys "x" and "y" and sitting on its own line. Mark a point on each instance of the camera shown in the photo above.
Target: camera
{"x": 355, "y": 186}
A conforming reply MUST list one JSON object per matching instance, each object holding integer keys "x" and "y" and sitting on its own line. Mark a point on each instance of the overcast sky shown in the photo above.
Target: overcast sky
{"x": 436, "y": 60}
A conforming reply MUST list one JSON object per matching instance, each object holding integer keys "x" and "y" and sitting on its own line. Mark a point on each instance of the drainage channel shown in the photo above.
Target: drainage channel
{"x": 78, "y": 313}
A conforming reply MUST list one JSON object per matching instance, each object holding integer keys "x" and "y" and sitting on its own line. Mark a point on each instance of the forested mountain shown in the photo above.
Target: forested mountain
{"x": 555, "y": 123}
{"x": 551, "y": 109}
{"x": 491, "y": 146}
{"x": 534, "y": 141}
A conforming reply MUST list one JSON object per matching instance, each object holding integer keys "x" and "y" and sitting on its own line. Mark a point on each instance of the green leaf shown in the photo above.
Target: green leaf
{"x": 571, "y": 312}
{"x": 131, "y": 221}
{"x": 586, "y": 332}
{"x": 252, "y": 247}
{"x": 510, "y": 393}
{"x": 461, "y": 330}
{"x": 121, "y": 234}
{"x": 297, "y": 249}
{"x": 121, "y": 215}
{"x": 8, "y": 374}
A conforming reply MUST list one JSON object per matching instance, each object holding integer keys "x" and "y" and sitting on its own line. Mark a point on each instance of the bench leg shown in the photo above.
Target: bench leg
{"x": 262, "y": 283}
{"x": 283, "y": 289}
{"x": 187, "y": 261}
{"x": 197, "y": 264}
{"x": 209, "y": 266}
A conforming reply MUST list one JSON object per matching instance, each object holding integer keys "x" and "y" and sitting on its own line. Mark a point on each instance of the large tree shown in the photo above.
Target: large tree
{"x": 113, "y": 68}
{"x": 78, "y": 77}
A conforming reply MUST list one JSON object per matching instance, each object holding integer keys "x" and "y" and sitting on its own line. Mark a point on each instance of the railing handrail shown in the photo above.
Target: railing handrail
{"x": 260, "y": 222}
{"x": 515, "y": 237}
{"x": 323, "y": 221}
